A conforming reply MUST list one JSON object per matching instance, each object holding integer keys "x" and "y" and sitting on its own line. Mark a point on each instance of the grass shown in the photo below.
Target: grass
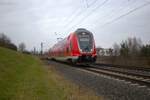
{"x": 24, "y": 77}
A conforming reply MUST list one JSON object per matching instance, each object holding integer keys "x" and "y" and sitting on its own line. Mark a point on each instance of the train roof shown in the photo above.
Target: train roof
{"x": 80, "y": 30}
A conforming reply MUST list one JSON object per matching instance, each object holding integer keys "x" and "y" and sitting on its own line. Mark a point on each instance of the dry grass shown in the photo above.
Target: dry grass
{"x": 129, "y": 61}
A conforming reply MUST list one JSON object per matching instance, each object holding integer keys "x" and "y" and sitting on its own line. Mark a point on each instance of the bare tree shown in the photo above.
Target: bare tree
{"x": 116, "y": 49}
{"x": 6, "y": 42}
{"x": 4, "y": 39}
{"x": 131, "y": 47}
{"x": 22, "y": 47}
{"x": 134, "y": 46}
{"x": 145, "y": 50}
{"x": 124, "y": 50}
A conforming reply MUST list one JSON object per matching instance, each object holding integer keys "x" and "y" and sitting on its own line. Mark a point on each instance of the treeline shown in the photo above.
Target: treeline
{"x": 6, "y": 42}
{"x": 130, "y": 47}
{"x": 145, "y": 50}
{"x": 130, "y": 52}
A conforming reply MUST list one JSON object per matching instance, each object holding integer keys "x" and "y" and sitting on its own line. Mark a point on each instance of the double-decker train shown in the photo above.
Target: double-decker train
{"x": 78, "y": 47}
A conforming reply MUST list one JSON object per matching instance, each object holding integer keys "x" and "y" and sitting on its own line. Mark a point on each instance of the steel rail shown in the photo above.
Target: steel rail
{"x": 123, "y": 76}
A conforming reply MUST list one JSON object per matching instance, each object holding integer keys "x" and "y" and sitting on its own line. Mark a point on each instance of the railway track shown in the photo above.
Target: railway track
{"x": 103, "y": 81}
{"x": 145, "y": 69}
{"x": 142, "y": 79}
{"x": 139, "y": 73}
{"x": 139, "y": 77}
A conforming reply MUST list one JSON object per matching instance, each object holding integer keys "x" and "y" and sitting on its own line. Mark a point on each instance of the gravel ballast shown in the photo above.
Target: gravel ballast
{"x": 105, "y": 86}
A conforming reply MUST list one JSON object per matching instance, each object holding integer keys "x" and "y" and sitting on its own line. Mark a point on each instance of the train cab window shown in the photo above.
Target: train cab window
{"x": 85, "y": 41}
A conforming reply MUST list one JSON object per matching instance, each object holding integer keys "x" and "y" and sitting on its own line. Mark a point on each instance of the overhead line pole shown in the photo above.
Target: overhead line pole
{"x": 41, "y": 48}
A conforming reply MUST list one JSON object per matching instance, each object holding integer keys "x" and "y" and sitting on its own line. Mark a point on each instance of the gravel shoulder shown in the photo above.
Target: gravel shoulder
{"x": 107, "y": 87}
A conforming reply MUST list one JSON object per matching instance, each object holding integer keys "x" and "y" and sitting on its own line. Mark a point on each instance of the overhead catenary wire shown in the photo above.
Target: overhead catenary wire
{"x": 111, "y": 15}
{"x": 86, "y": 17}
{"x": 115, "y": 19}
{"x": 93, "y": 10}
{"x": 93, "y": 2}
{"x": 126, "y": 14}
{"x": 78, "y": 12}
{"x": 76, "y": 15}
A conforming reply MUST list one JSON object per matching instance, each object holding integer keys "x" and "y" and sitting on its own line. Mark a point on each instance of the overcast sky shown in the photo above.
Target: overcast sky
{"x": 36, "y": 21}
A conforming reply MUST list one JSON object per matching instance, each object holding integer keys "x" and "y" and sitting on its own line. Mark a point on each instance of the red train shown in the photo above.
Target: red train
{"x": 78, "y": 47}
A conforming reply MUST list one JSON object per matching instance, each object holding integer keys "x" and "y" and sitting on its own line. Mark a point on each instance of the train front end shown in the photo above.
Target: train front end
{"x": 86, "y": 45}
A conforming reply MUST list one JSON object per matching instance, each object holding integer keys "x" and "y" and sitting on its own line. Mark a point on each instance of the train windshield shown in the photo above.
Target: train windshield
{"x": 85, "y": 41}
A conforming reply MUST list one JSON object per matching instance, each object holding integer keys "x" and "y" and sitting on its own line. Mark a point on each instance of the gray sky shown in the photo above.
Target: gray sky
{"x": 35, "y": 21}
